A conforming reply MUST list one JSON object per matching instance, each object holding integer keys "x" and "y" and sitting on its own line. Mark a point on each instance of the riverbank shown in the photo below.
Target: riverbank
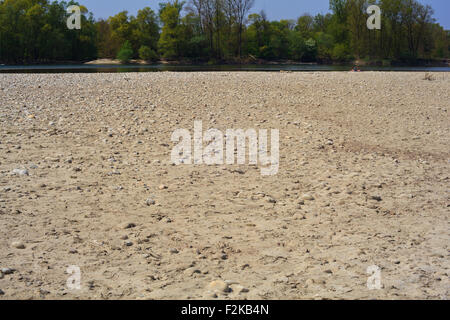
{"x": 246, "y": 61}
{"x": 86, "y": 179}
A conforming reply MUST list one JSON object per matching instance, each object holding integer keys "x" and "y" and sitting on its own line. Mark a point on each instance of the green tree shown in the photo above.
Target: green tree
{"x": 147, "y": 54}
{"x": 125, "y": 53}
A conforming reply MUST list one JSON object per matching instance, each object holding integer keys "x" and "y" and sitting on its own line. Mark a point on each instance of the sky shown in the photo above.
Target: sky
{"x": 275, "y": 9}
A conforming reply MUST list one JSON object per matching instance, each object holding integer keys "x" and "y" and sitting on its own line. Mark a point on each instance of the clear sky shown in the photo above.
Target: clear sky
{"x": 275, "y": 9}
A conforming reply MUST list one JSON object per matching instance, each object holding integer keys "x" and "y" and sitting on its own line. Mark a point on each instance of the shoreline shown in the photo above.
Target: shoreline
{"x": 183, "y": 62}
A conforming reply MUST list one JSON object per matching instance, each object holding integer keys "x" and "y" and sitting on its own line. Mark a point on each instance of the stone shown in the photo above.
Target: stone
{"x": 128, "y": 225}
{"x": 6, "y": 271}
{"x": 150, "y": 202}
{"x": 18, "y": 245}
{"x": 163, "y": 187}
{"x": 219, "y": 286}
{"x": 238, "y": 289}
{"x": 20, "y": 172}
{"x": 191, "y": 271}
{"x": 307, "y": 197}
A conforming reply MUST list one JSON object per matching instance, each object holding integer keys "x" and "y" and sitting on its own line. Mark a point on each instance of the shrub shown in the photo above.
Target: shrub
{"x": 147, "y": 54}
{"x": 125, "y": 52}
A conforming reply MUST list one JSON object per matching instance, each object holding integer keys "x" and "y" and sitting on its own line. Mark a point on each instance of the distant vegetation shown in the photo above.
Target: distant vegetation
{"x": 221, "y": 30}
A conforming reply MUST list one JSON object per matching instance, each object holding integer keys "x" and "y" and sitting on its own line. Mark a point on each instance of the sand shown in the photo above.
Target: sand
{"x": 86, "y": 180}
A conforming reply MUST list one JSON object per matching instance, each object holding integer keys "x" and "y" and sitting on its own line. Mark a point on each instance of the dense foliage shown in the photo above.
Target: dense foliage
{"x": 217, "y": 30}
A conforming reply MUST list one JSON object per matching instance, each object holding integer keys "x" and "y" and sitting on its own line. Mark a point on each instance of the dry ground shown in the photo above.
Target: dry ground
{"x": 372, "y": 149}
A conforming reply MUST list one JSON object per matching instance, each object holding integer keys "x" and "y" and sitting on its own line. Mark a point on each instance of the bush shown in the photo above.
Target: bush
{"x": 340, "y": 52}
{"x": 125, "y": 52}
{"x": 147, "y": 54}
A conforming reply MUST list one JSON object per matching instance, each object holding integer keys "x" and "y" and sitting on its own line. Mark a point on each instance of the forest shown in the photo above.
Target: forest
{"x": 221, "y": 31}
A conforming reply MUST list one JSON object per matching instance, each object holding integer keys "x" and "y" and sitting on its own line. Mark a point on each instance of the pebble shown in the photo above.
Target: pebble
{"x": 20, "y": 172}
{"x": 128, "y": 243}
{"x": 191, "y": 271}
{"x": 18, "y": 245}
{"x": 150, "y": 202}
{"x": 128, "y": 225}
{"x": 163, "y": 187}
{"x": 7, "y": 271}
{"x": 307, "y": 197}
{"x": 376, "y": 198}
{"x": 1, "y": 292}
{"x": 238, "y": 289}
{"x": 173, "y": 251}
{"x": 219, "y": 286}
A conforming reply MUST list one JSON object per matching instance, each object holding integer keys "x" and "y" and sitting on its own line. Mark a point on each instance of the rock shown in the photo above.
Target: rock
{"x": 238, "y": 289}
{"x": 20, "y": 172}
{"x": 7, "y": 271}
{"x": 307, "y": 197}
{"x": 271, "y": 200}
{"x": 150, "y": 202}
{"x": 1, "y": 292}
{"x": 128, "y": 225}
{"x": 163, "y": 187}
{"x": 191, "y": 271}
{"x": 1, "y": 275}
{"x": 18, "y": 245}
{"x": 376, "y": 198}
{"x": 173, "y": 251}
{"x": 128, "y": 243}
{"x": 219, "y": 286}
{"x": 309, "y": 282}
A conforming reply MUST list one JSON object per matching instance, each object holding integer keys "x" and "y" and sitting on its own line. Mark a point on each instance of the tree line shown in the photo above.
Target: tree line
{"x": 221, "y": 30}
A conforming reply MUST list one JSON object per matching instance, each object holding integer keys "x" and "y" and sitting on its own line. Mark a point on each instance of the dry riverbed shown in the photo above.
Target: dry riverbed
{"x": 86, "y": 180}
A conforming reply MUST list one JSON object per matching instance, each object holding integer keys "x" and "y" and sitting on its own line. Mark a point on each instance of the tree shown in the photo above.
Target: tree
{"x": 147, "y": 54}
{"x": 240, "y": 9}
{"x": 125, "y": 52}
{"x": 172, "y": 38}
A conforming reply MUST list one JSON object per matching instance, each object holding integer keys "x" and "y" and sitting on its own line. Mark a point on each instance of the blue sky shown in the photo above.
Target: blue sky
{"x": 275, "y": 9}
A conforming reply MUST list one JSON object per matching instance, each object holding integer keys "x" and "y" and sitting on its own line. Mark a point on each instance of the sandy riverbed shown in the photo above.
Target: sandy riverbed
{"x": 86, "y": 180}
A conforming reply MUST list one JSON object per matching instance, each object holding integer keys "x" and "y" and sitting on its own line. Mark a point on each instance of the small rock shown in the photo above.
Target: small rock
{"x": 238, "y": 289}
{"x": 376, "y": 198}
{"x": 1, "y": 292}
{"x": 191, "y": 271}
{"x": 163, "y": 187}
{"x": 128, "y": 243}
{"x": 307, "y": 197}
{"x": 219, "y": 286}
{"x": 7, "y": 271}
{"x": 128, "y": 225}
{"x": 18, "y": 245}
{"x": 20, "y": 172}
{"x": 150, "y": 202}
{"x": 309, "y": 282}
{"x": 173, "y": 251}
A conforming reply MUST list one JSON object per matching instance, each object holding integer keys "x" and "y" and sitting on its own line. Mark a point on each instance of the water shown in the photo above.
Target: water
{"x": 92, "y": 68}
